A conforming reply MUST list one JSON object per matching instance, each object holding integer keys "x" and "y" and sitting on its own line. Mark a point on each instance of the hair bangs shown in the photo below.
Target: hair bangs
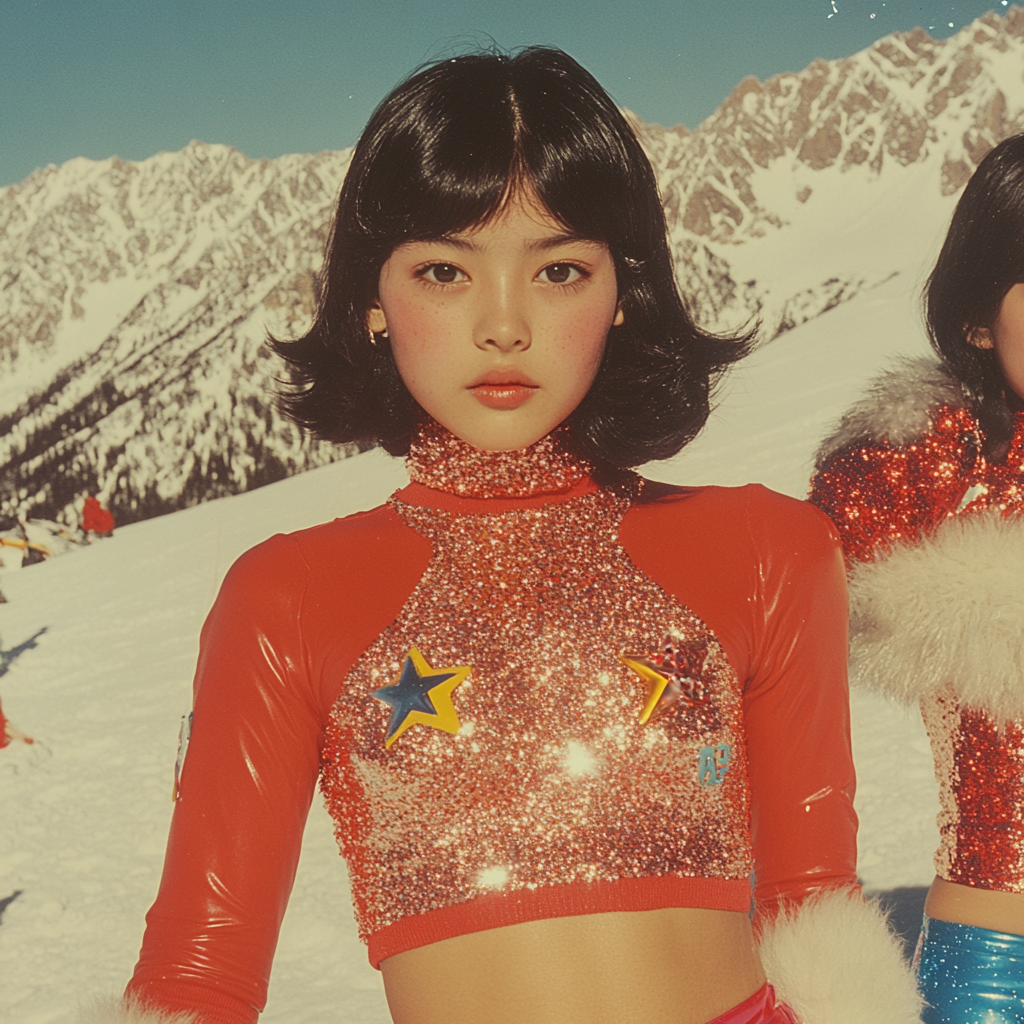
{"x": 486, "y": 139}
{"x": 454, "y": 164}
{"x": 570, "y": 159}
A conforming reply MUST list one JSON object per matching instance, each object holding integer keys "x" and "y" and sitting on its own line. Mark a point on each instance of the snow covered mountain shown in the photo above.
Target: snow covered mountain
{"x": 135, "y": 297}
{"x": 135, "y": 301}
{"x": 799, "y": 192}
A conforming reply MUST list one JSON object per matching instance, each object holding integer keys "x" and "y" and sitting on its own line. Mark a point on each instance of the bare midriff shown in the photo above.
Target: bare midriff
{"x": 984, "y": 908}
{"x": 678, "y": 966}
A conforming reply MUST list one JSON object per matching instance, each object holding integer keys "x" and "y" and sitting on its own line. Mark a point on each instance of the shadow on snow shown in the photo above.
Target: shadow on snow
{"x": 7, "y": 658}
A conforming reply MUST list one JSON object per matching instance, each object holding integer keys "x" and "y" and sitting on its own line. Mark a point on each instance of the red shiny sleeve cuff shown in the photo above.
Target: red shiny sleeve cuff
{"x": 206, "y": 1004}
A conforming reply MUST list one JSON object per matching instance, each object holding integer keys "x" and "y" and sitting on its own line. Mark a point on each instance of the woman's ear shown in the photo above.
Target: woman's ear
{"x": 980, "y": 337}
{"x": 376, "y": 320}
{"x": 620, "y": 318}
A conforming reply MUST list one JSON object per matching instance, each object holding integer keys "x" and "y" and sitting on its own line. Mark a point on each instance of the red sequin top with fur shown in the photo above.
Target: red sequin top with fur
{"x": 935, "y": 538}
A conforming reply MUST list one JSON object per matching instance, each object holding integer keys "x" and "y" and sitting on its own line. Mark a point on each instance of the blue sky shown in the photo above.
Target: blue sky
{"x": 132, "y": 77}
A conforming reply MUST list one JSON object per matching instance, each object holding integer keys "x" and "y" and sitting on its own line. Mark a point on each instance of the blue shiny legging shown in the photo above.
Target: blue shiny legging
{"x": 970, "y": 975}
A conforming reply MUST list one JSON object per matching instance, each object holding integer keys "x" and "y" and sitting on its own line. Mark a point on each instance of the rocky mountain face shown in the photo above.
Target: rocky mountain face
{"x": 804, "y": 155}
{"x": 135, "y": 297}
{"x": 134, "y": 305}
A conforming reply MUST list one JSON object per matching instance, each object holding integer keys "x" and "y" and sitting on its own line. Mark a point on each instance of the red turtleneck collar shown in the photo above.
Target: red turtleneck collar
{"x": 447, "y": 473}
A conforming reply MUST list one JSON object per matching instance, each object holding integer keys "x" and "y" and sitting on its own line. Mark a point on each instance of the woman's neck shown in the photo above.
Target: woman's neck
{"x": 440, "y": 460}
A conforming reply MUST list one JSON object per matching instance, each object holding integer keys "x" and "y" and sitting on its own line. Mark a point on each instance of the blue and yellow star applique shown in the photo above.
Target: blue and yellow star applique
{"x": 422, "y": 695}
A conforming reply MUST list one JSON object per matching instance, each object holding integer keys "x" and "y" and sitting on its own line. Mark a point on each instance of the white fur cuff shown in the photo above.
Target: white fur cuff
{"x": 949, "y": 609}
{"x": 113, "y": 1010}
{"x": 834, "y": 960}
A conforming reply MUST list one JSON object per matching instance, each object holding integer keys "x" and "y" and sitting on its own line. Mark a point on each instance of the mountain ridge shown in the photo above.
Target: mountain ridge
{"x": 135, "y": 298}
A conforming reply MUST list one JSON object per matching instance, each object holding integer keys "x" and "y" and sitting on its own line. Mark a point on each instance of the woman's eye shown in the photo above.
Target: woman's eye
{"x": 442, "y": 273}
{"x": 560, "y": 273}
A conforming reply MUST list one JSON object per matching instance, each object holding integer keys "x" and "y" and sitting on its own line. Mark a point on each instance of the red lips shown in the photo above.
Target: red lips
{"x": 503, "y": 389}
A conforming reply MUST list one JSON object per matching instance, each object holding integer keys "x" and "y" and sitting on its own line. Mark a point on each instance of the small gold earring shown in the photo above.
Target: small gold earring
{"x": 980, "y": 337}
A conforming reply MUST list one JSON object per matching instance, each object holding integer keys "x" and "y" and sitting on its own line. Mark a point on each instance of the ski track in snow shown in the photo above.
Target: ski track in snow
{"x": 86, "y": 808}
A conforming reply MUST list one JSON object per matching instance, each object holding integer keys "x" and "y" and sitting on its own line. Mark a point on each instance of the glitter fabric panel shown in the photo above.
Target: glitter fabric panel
{"x": 970, "y": 975}
{"x": 443, "y": 461}
{"x": 1000, "y": 486}
{"x": 880, "y": 494}
{"x": 550, "y": 778}
{"x": 980, "y": 769}
{"x": 941, "y": 714}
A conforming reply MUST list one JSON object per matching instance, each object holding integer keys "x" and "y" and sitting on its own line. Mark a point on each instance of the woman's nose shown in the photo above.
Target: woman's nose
{"x": 503, "y": 322}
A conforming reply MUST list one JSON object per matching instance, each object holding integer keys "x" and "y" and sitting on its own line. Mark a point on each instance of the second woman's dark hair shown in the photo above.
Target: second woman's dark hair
{"x": 982, "y": 258}
{"x": 448, "y": 149}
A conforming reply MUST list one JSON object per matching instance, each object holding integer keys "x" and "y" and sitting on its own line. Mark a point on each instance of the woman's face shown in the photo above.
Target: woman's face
{"x": 1006, "y": 336}
{"x": 498, "y": 331}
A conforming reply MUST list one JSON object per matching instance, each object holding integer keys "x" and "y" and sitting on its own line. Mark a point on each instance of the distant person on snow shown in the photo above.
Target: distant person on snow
{"x": 96, "y": 520}
{"x": 925, "y": 480}
{"x": 9, "y": 732}
{"x": 561, "y": 715}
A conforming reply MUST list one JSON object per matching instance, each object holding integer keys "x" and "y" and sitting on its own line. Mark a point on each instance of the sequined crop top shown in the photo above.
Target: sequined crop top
{"x": 526, "y": 696}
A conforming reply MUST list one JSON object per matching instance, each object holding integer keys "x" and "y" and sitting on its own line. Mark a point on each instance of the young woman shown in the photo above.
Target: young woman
{"x": 559, "y": 714}
{"x": 925, "y": 481}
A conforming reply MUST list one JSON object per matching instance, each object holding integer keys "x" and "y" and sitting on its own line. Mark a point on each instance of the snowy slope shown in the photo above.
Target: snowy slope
{"x": 86, "y": 809}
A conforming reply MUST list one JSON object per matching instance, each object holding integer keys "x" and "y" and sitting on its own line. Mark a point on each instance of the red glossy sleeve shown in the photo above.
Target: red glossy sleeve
{"x": 796, "y": 709}
{"x": 245, "y": 791}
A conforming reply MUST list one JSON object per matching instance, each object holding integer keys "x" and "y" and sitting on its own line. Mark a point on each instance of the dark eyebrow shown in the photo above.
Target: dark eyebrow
{"x": 463, "y": 244}
{"x": 538, "y": 245}
{"x": 568, "y": 238}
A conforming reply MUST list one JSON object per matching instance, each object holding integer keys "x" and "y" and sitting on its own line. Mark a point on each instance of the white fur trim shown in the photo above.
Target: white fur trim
{"x": 834, "y": 960}
{"x": 948, "y": 609}
{"x": 897, "y": 406}
{"x": 114, "y": 1010}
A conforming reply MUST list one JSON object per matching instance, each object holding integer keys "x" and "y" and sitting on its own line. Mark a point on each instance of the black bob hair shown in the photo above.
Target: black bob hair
{"x": 447, "y": 150}
{"x": 982, "y": 258}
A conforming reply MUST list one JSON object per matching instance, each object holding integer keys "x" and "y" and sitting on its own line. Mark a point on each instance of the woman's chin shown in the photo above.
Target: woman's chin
{"x": 499, "y": 430}
{"x": 502, "y": 433}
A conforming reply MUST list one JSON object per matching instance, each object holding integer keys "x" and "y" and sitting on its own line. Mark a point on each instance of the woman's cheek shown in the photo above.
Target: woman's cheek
{"x": 419, "y": 333}
{"x": 1009, "y": 333}
{"x": 1013, "y": 368}
{"x": 585, "y": 338}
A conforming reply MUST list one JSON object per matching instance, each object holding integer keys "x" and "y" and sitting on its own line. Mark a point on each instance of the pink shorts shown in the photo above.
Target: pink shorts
{"x": 760, "y": 1008}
